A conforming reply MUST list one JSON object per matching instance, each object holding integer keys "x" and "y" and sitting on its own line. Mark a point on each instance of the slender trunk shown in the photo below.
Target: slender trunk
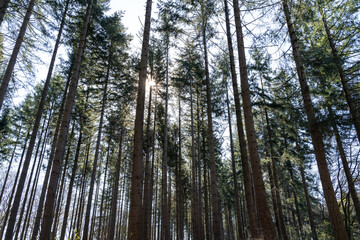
{"x": 345, "y": 164}
{"x": 73, "y": 213}
{"x": 217, "y": 222}
{"x": 71, "y": 184}
{"x": 275, "y": 188}
{"x": 240, "y": 232}
{"x": 179, "y": 201}
{"x": 60, "y": 145}
{"x": 60, "y": 193}
{"x": 267, "y": 224}
{"x": 9, "y": 167}
{"x": 80, "y": 205}
{"x": 296, "y": 202}
{"x": 94, "y": 207}
{"x": 147, "y": 198}
{"x": 250, "y": 202}
{"x": 34, "y": 166}
{"x": 96, "y": 157}
{"x": 194, "y": 196}
{"x": 3, "y": 7}
{"x": 206, "y": 202}
{"x": 3, "y": 89}
{"x": 307, "y": 198}
{"x": 276, "y": 184}
{"x": 151, "y": 187}
{"x": 32, "y": 197}
{"x": 273, "y": 199}
{"x": 135, "y": 213}
{"x": 103, "y": 189}
{"x": 329, "y": 193}
{"x": 115, "y": 189}
{"x": 49, "y": 166}
{"x": 198, "y": 167}
{"x": 308, "y": 204}
{"x": 4, "y": 85}
{"x": 165, "y": 218}
{"x": 344, "y": 82}
{"x": 14, "y": 188}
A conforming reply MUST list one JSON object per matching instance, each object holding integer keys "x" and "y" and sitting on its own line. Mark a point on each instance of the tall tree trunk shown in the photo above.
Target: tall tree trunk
{"x": 194, "y": 195}
{"x": 179, "y": 201}
{"x": 114, "y": 197}
{"x": 96, "y": 157}
{"x": 34, "y": 166}
{"x": 61, "y": 189}
{"x": 104, "y": 188}
{"x": 275, "y": 188}
{"x": 80, "y": 204}
{"x": 267, "y": 224}
{"x": 147, "y": 198}
{"x": 14, "y": 187}
{"x": 3, "y": 7}
{"x": 198, "y": 167}
{"x": 61, "y": 142}
{"x": 135, "y": 213}
{"x": 3, "y": 90}
{"x": 217, "y": 222}
{"x": 165, "y": 217}
{"x": 307, "y": 198}
{"x": 10, "y": 166}
{"x": 301, "y": 228}
{"x": 273, "y": 198}
{"x": 240, "y": 232}
{"x": 344, "y": 82}
{"x": 71, "y": 183}
{"x": 151, "y": 187}
{"x": 206, "y": 202}
{"x": 345, "y": 164}
{"x": 49, "y": 166}
{"x": 5, "y": 83}
{"x": 331, "y": 201}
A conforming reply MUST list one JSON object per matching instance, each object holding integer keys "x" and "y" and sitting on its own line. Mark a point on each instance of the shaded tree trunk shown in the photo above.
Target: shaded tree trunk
{"x": 275, "y": 188}
{"x": 240, "y": 232}
{"x": 331, "y": 201}
{"x": 147, "y": 198}
{"x": 217, "y": 222}
{"x": 194, "y": 194}
{"x": 9, "y": 167}
{"x": 3, "y": 90}
{"x": 60, "y": 145}
{"x": 115, "y": 189}
{"x": 37, "y": 160}
{"x": 71, "y": 183}
{"x": 61, "y": 189}
{"x": 96, "y": 157}
{"x": 267, "y": 225}
{"x": 135, "y": 213}
{"x": 345, "y": 164}
{"x": 14, "y": 187}
{"x": 180, "y": 192}
{"x": 165, "y": 216}
{"x": 49, "y": 166}
{"x": 4, "y": 86}
{"x": 344, "y": 82}
{"x": 307, "y": 198}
